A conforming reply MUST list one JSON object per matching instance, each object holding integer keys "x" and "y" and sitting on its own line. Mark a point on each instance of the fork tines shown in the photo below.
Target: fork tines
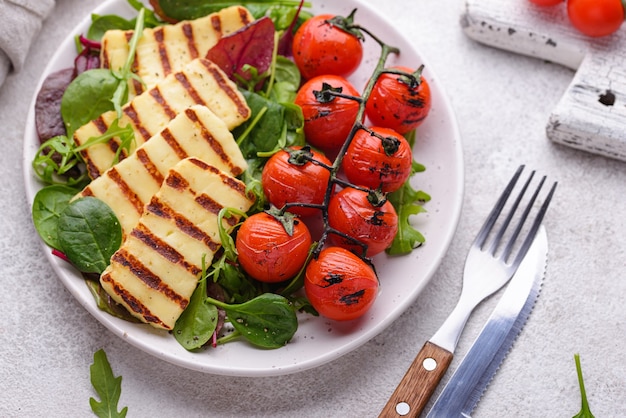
{"x": 486, "y": 230}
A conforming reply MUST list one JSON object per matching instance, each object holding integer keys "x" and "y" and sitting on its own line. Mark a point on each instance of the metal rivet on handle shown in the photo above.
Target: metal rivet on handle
{"x": 429, "y": 364}
{"x": 403, "y": 408}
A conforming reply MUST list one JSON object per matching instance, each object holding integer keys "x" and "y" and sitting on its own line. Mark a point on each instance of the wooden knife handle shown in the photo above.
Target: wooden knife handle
{"x": 419, "y": 382}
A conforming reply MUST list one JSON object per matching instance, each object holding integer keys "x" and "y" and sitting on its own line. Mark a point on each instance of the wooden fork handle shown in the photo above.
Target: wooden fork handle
{"x": 419, "y": 382}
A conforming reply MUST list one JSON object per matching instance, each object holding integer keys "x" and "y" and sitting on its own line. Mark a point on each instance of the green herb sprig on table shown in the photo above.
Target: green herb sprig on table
{"x": 585, "y": 412}
{"x": 107, "y": 386}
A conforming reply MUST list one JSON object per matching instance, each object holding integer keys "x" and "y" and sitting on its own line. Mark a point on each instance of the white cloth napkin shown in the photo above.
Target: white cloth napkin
{"x": 20, "y": 22}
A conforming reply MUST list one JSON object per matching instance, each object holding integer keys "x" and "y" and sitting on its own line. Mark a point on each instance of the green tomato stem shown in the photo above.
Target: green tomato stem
{"x": 386, "y": 50}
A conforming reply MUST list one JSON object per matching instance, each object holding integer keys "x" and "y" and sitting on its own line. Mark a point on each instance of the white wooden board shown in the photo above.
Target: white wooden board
{"x": 591, "y": 115}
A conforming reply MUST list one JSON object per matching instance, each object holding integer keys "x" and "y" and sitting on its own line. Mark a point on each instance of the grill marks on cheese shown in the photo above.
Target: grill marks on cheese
{"x": 166, "y": 49}
{"x": 199, "y": 82}
{"x": 157, "y": 268}
{"x": 128, "y": 186}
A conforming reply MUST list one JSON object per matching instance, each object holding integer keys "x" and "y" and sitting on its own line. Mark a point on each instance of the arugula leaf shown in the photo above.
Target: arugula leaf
{"x": 89, "y": 233}
{"x": 120, "y": 95}
{"x": 125, "y": 135}
{"x": 107, "y": 386}
{"x": 407, "y": 201}
{"x": 585, "y": 412}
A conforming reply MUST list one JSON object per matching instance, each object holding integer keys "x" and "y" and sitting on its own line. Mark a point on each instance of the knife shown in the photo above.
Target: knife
{"x": 466, "y": 386}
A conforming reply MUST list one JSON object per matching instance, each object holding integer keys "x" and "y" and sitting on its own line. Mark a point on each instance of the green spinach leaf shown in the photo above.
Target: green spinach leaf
{"x": 283, "y": 16}
{"x": 150, "y": 19}
{"x": 267, "y": 321}
{"x": 48, "y": 205}
{"x": 89, "y": 233}
{"x": 193, "y": 9}
{"x": 286, "y": 83}
{"x": 105, "y": 302}
{"x": 96, "y": 91}
{"x": 271, "y": 127}
{"x": 102, "y": 23}
{"x": 198, "y": 322}
{"x": 224, "y": 271}
{"x": 107, "y": 386}
{"x": 87, "y": 97}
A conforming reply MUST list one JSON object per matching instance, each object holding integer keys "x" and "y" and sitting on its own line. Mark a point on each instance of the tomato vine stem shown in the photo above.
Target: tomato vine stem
{"x": 379, "y": 69}
{"x": 335, "y": 180}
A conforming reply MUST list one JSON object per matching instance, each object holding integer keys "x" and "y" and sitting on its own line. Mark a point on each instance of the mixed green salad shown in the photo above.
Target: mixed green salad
{"x": 86, "y": 233}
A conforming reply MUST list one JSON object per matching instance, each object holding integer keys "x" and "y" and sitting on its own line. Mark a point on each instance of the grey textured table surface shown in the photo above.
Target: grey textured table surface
{"x": 502, "y": 102}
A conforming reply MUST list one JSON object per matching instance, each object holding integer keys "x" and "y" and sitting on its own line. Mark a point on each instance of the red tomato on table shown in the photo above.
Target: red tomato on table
{"x": 340, "y": 285}
{"x": 596, "y": 17}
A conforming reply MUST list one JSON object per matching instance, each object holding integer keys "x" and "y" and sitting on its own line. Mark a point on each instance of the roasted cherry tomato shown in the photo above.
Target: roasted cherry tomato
{"x": 327, "y": 118}
{"x": 399, "y": 102}
{"x": 546, "y": 3}
{"x": 290, "y": 177}
{"x": 596, "y": 17}
{"x": 381, "y": 159}
{"x": 364, "y": 216}
{"x": 321, "y": 46}
{"x": 340, "y": 285}
{"x": 267, "y": 252}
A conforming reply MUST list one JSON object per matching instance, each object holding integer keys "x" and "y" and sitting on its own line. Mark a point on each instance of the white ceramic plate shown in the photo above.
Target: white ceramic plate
{"x": 317, "y": 341}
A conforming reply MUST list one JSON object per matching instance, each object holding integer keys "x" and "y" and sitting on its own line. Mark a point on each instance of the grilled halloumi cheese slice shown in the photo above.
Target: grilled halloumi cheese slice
{"x": 199, "y": 82}
{"x": 157, "y": 268}
{"x": 166, "y": 49}
{"x": 195, "y": 132}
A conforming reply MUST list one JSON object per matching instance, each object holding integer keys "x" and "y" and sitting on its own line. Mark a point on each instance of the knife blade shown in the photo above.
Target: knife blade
{"x": 468, "y": 383}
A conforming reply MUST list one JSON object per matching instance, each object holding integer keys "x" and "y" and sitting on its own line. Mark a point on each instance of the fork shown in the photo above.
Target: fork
{"x": 488, "y": 267}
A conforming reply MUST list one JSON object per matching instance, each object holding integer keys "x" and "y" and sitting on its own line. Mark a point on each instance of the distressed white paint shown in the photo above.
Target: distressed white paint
{"x": 585, "y": 117}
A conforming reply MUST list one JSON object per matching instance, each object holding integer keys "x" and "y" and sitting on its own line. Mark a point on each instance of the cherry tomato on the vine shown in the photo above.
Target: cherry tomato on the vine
{"x": 399, "y": 102}
{"x": 267, "y": 252}
{"x": 360, "y": 215}
{"x": 289, "y": 177}
{"x": 596, "y": 17}
{"x": 378, "y": 159}
{"x": 340, "y": 285}
{"x": 321, "y": 46}
{"x": 327, "y": 118}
